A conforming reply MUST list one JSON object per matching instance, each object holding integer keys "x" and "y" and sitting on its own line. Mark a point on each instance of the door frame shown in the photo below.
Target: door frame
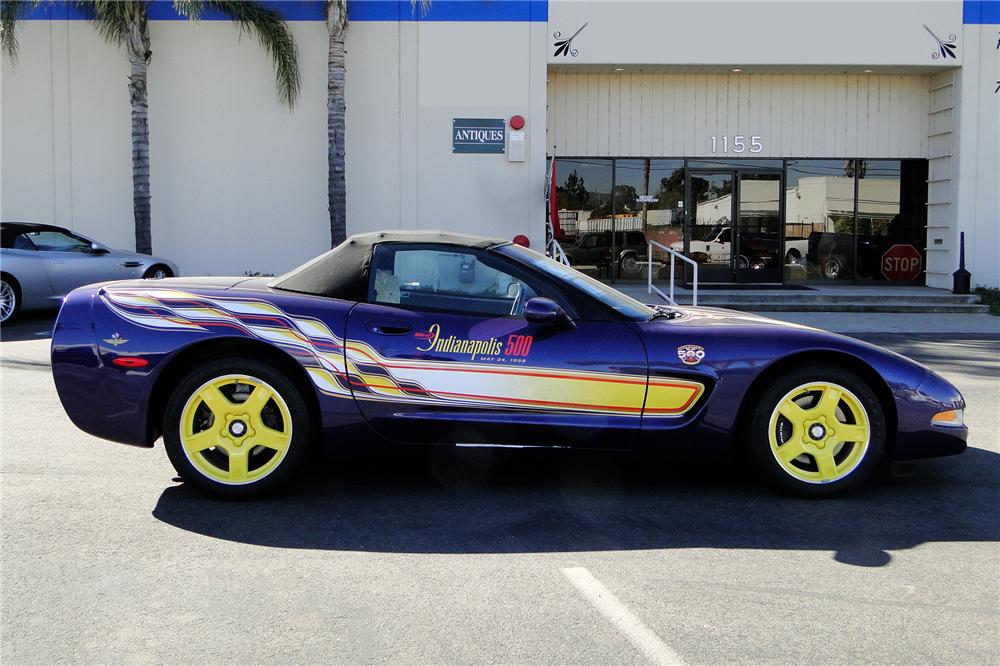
{"x": 735, "y": 173}
{"x": 740, "y": 173}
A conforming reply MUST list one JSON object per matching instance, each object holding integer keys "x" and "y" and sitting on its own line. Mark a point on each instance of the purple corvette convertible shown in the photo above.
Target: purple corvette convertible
{"x": 430, "y": 337}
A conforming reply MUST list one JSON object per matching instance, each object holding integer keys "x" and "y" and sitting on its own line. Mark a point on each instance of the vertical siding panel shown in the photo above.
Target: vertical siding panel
{"x": 782, "y": 101}
{"x": 603, "y": 114}
{"x": 593, "y": 113}
{"x": 840, "y": 135}
{"x": 797, "y": 115}
{"x": 625, "y": 123}
{"x": 829, "y": 113}
{"x": 657, "y": 114}
{"x": 678, "y": 80}
{"x": 692, "y": 143}
{"x": 614, "y": 112}
{"x": 636, "y": 146}
{"x": 871, "y": 117}
{"x": 703, "y": 111}
{"x": 854, "y": 82}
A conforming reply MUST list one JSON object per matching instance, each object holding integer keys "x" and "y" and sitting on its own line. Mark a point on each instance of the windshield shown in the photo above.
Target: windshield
{"x": 614, "y": 299}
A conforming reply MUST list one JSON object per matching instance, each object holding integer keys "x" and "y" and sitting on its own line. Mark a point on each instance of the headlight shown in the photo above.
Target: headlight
{"x": 954, "y": 418}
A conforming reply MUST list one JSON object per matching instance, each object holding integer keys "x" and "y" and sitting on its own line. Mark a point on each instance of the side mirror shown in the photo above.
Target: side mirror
{"x": 97, "y": 248}
{"x": 545, "y": 311}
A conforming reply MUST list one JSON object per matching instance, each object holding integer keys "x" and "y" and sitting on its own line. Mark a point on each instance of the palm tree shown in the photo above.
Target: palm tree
{"x": 125, "y": 23}
{"x": 336, "y": 121}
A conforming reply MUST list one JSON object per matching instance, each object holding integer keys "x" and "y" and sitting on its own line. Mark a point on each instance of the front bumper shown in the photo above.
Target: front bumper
{"x": 917, "y": 435}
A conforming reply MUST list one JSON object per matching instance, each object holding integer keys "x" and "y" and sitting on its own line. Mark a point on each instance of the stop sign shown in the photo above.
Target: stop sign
{"x": 901, "y": 263}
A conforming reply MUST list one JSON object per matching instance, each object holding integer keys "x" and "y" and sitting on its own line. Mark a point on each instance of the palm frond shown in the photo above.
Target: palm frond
{"x": 271, "y": 31}
{"x": 111, "y": 17}
{"x": 11, "y": 13}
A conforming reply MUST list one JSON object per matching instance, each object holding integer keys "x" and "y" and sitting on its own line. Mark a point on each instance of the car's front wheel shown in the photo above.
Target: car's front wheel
{"x": 817, "y": 431}
{"x": 10, "y": 298}
{"x": 157, "y": 272}
{"x": 236, "y": 427}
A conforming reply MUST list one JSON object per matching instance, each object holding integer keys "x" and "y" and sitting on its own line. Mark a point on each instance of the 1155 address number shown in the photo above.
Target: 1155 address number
{"x": 737, "y": 144}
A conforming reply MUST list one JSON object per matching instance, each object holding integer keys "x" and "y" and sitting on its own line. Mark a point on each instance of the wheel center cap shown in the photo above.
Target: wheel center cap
{"x": 817, "y": 432}
{"x": 237, "y": 428}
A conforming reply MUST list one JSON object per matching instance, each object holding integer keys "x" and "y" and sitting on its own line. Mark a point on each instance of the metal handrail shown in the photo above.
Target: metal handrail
{"x": 673, "y": 254}
{"x": 557, "y": 253}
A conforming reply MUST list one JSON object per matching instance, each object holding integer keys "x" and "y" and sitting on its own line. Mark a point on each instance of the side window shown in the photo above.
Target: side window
{"x": 11, "y": 240}
{"x": 57, "y": 241}
{"x": 726, "y": 236}
{"x": 592, "y": 241}
{"x": 636, "y": 238}
{"x": 451, "y": 280}
{"x": 21, "y": 242}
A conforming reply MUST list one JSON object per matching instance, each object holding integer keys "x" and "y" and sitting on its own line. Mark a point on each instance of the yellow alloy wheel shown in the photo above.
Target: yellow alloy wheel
{"x": 819, "y": 432}
{"x": 235, "y": 429}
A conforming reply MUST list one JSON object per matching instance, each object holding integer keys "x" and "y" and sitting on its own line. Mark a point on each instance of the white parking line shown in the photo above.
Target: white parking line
{"x": 621, "y": 617}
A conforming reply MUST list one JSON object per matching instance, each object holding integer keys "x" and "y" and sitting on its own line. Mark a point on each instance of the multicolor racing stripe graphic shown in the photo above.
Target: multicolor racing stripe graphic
{"x": 346, "y": 368}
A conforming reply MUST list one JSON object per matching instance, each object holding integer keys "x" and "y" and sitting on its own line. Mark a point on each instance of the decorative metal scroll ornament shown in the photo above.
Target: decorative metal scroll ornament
{"x": 565, "y": 46}
{"x": 946, "y": 47}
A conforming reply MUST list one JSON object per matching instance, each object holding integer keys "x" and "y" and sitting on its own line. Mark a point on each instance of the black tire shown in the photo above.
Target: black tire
{"x": 832, "y": 267}
{"x": 252, "y": 371}
{"x": 12, "y": 290}
{"x": 792, "y": 257}
{"x": 630, "y": 264}
{"x": 154, "y": 272}
{"x": 764, "y": 458}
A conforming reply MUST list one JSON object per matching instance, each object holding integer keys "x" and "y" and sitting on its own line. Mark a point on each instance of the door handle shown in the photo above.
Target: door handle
{"x": 389, "y": 327}
{"x": 131, "y": 264}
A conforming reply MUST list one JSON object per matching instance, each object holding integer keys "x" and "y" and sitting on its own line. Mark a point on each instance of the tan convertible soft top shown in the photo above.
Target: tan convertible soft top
{"x": 343, "y": 271}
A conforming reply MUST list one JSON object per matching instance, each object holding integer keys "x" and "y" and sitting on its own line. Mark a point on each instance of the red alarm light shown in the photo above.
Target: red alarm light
{"x": 522, "y": 240}
{"x": 517, "y": 122}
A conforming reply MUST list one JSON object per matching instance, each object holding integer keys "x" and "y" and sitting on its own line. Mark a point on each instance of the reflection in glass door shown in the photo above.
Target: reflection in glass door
{"x": 709, "y": 235}
{"x": 758, "y": 239}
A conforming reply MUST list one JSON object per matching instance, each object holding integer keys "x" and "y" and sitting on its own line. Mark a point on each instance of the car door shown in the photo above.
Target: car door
{"x": 71, "y": 262}
{"x": 442, "y": 353}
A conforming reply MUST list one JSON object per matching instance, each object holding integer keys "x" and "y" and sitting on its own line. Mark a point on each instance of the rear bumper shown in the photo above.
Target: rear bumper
{"x": 94, "y": 395}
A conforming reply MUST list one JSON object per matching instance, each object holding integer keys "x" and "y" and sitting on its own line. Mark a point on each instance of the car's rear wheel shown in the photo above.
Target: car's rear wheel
{"x": 236, "y": 427}
{"x": 817, "y": 431}
{"x": 158, "y": 272}
{"x": 10, "y": 298}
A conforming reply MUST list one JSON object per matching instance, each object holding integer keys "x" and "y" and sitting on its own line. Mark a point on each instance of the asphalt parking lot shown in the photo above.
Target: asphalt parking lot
{"x": 479, "y": 556}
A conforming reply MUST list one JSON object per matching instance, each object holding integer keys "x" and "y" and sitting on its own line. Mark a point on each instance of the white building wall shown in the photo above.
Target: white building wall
{"x": 417, "y": 78}
{"x": 238, "y": 180}
{"x": 978, "y": 153}
{"x": 655, "y": 114}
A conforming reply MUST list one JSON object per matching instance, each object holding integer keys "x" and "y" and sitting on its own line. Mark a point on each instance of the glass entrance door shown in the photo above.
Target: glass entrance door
{"x": 709, "y": 233}
{"x": 758, "y": 256}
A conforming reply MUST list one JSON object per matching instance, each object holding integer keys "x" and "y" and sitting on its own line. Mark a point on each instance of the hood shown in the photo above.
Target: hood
{"x": 716, "y": 317}
{"x": 180, "y": 283}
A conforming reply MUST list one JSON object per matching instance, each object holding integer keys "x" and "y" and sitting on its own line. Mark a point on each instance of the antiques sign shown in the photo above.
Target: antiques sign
{"x": 477, "y": 135}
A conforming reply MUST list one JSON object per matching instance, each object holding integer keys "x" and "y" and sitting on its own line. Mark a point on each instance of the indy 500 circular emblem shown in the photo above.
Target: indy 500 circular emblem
{"x": 690, "y": 354}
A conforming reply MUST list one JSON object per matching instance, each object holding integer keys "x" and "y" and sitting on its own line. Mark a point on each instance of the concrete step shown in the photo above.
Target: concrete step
{"x": 707, "y": 297}
{"x": 881, "y": 306}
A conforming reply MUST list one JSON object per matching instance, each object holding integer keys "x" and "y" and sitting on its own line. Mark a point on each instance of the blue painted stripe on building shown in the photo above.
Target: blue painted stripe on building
{"x": 449, "y": 10}
{"x": 313, "y": 10}
{"x": 981, "y": 12}
{"x": 163, "y": 10}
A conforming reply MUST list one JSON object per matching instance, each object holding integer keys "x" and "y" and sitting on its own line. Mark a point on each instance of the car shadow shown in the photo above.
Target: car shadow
{"x": 36, "y": 325}
{"x": 448, "y": 500}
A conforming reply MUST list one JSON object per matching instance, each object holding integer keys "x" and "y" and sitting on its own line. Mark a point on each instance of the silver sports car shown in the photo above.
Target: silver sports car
{"x": 41, "y": 263}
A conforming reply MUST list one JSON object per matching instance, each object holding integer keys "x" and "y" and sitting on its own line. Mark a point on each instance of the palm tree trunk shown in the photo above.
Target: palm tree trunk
{"x": 137, "y": 43}
{"x": 336, "y": 123}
